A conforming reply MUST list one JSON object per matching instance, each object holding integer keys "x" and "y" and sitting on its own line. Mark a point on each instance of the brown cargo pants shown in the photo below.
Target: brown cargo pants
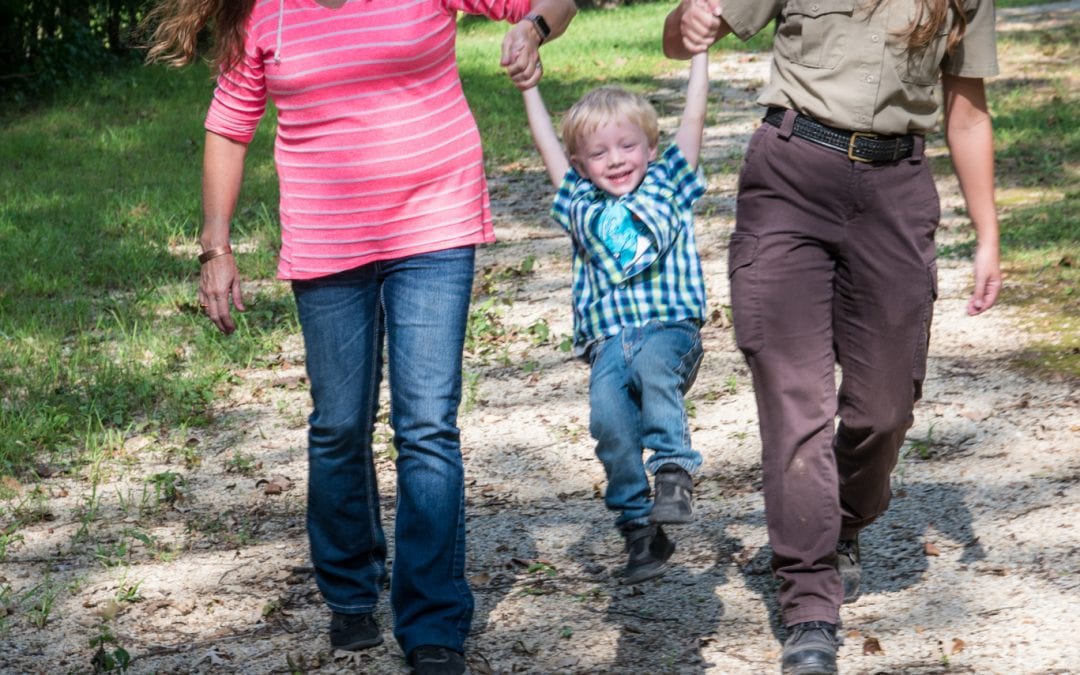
{"x": 832, "y": 262}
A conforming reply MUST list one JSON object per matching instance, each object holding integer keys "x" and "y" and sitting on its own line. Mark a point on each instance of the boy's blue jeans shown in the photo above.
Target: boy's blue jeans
{"x": 636, "y": 388}
{"x": 423, "y": 302}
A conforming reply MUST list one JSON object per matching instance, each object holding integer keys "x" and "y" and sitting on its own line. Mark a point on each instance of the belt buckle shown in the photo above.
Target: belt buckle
{"x": 851, "y": 145}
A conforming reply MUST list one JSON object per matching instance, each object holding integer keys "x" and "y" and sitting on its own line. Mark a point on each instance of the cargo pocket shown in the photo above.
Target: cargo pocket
{"x": 808, "y": 33}
{"x": 921, "y": 349}
{"x": 745, "y": 303}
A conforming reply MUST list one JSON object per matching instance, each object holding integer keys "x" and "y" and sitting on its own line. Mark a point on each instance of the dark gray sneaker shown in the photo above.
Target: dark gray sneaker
{"x": 810, "y": 649}
{"x": 649, "y": 549}
{"x": 673, "y": 500}
{"x": 849, "y": 564}
{"x": 352, "y": 632}
{"x": 436, "y": 660}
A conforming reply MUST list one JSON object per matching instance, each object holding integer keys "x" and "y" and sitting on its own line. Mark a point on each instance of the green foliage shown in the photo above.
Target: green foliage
{"x": 100, "y": 328}
{"x": 44, "y": 45}
{"x": 41, "y": 600}
{"x": 8, "y": 536}
{"x": 109, "y": 657}
{"x": 166, "y": 486}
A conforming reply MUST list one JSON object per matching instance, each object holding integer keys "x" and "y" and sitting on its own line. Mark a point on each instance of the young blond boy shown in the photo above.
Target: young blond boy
{"x": 639, "y": 296}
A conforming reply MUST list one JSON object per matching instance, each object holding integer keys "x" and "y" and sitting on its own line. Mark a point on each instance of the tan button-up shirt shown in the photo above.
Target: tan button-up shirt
{"x": 847, "y": 66}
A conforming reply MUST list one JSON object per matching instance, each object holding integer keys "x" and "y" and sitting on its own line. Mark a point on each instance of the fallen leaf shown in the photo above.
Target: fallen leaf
{"x": 957, "y": 646}
{"x": 275, "y": 485}
{"x": 931, "y": 548}
{"x": 481, "y": 579}
{"x": 110, "y": 610}
{"x": 871, "y": 647}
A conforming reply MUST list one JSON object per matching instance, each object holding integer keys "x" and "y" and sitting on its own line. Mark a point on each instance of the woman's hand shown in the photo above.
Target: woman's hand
{"x": 692, "y": 27}
{"x": 521, "y": 46}
{"x": 521, "y": 55}
{"x": 218, "y": 282}
{"x": 987, "y": 279}
{"x": 701, "y": 25}
{"x": 223, "y": 172}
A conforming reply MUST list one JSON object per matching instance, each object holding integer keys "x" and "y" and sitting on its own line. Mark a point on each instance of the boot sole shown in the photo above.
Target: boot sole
{"x": 662, "y": 518}
{"x": 358, "y": 645}
{"x": 644, "y": 574}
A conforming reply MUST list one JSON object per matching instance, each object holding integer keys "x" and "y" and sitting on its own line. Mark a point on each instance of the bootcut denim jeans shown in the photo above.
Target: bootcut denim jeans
{"x": 421, "y": 303}
{"x": 636, "y": 387}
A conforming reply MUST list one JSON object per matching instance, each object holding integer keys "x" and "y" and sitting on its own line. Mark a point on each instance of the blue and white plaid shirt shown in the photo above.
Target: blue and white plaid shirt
{"x": 662, "y": 281}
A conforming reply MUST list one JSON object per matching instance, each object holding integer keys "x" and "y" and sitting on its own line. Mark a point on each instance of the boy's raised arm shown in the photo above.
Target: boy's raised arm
{"x": 543, "y": 133}
{"x": 692, "y": 126}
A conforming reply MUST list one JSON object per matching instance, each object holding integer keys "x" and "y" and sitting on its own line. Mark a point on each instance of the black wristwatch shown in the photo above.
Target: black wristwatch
{"x": 540, "y": 25}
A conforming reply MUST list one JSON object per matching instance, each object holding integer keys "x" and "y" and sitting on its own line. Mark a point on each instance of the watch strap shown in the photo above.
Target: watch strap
{"x": 541, "y": 26}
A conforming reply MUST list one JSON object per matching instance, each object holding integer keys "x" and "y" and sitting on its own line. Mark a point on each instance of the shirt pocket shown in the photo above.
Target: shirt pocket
{"x": 814, "y": 33}
{"x": 922, "y": 66}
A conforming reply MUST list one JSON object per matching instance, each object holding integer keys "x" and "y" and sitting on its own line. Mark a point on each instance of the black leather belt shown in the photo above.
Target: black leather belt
{"x": 860, "y": 146}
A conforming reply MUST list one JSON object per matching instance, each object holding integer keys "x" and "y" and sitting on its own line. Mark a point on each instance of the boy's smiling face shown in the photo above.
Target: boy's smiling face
{"x": 615, "y": 157}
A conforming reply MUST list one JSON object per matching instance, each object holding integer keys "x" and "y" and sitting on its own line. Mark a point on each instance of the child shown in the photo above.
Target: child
{"x": 639, "y": 296}
{"x": 832, "y": 260}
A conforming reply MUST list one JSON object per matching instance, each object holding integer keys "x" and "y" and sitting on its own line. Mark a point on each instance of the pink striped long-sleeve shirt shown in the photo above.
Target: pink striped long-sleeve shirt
{"x": 377, "y": 153}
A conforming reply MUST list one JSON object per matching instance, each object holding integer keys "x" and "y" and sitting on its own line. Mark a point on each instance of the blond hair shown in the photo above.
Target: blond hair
{"x": 602, "y": 106}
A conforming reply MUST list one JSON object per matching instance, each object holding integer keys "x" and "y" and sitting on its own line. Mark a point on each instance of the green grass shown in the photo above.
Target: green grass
{"x": 99, "y": 331}
{"x": 1037, "y": 144}
{"x": 96, "y": 284}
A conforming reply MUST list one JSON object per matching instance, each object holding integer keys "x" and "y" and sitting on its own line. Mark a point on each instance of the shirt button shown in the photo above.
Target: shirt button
{"x": 874, "y": 37}
{"x": 814, "y": 8}
{"x": 869, "y": 78}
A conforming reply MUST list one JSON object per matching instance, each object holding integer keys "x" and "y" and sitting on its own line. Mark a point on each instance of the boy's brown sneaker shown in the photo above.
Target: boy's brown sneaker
{"x": 649, "y": 549}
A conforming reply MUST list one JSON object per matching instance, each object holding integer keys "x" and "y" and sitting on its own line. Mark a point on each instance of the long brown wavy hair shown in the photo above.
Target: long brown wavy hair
{"x": 174, "y": 26}
{"x": 930, "y": 18}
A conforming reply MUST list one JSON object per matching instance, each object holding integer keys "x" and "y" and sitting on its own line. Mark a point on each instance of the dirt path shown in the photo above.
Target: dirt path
{"x": 975, "y": 569}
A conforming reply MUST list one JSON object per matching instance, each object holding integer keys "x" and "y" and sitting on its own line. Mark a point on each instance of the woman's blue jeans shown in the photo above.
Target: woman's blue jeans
{"x": 422, "y": 304}
{"x": 636, "y": 387}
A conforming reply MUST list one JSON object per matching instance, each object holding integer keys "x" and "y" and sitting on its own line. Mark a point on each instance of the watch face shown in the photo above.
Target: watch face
{"x": 541, "y": 25}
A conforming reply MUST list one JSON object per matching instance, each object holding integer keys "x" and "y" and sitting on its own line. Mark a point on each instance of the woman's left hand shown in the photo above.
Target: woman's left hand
{"x": 521, "y": 55}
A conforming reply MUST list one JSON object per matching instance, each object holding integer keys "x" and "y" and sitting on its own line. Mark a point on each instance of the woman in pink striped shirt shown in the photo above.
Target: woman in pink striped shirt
{"x": 383, "y": 199}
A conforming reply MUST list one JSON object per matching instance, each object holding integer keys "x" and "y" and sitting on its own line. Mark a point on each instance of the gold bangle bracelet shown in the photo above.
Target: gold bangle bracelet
{"x": 212, "y": 253}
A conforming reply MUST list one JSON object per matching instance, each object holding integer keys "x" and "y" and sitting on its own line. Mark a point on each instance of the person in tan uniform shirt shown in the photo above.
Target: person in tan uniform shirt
{"x": 833, "y": 262}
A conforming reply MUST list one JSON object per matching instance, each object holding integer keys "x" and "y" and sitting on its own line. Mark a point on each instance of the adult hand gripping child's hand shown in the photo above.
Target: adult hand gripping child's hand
{"x": 521, "y": 55}
{"x": 700, "y": 24}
